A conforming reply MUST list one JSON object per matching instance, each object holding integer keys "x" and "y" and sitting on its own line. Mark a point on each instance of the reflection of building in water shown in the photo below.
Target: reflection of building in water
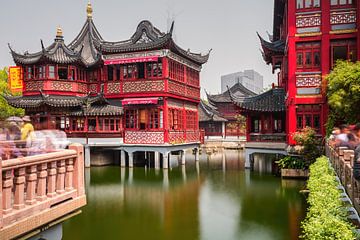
{"x": 167, "y": 206}
{"x": 256, "y": 213}
{"x": 226, "y": 160}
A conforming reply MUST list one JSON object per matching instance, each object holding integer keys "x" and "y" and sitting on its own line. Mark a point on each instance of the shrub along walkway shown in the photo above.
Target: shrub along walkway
{"x": 327, "y": 216}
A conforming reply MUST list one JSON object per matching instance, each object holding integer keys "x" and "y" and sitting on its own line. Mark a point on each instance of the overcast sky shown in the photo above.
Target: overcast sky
{"x": 228, "y": 27}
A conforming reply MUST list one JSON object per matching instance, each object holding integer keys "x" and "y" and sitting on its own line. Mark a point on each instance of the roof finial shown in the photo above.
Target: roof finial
{"x": 59, "y": 32}
{"x": 89, "y": 10}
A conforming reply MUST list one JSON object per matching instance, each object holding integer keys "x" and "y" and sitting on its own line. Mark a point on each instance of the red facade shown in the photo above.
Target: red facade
{"x": 153, "y": 80}
{"x": 308, "y": 37}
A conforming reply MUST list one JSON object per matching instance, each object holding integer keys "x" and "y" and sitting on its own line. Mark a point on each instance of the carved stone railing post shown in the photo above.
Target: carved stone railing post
{"x": 60, "y": 178}
{"x": 78, "y": 168}
{"x": 69, "y": 175}
{"x": 41, "y": 186}
{"x": 31, "y": 185}
{"x": 7, "y": 184}
{"x": 51, "y": 179}
{"x": 19, "y": 195}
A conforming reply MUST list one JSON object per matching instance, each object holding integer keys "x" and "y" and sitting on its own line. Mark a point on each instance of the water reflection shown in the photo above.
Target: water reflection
{"x": 214, "y": 198}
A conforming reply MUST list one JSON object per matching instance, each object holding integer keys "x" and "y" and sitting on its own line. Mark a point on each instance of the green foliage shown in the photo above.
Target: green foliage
{"x": 344, "y": 92}
{"x": 240, "y": 123}
{"x": 291, "y": 162}
{"x": 6, "y": 110}
{"x": 327, "y": 216}
{"x": 310, "y": 145}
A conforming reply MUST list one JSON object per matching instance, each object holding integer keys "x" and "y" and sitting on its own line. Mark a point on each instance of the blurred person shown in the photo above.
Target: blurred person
{"x": 344, "y": 131}
{"x": 356, "y": 132}
{"x": 14, "y": 131}
{"x": 334, "y": 133}
{"x": 351, "y": 144}
{"x": 27, "y": 128}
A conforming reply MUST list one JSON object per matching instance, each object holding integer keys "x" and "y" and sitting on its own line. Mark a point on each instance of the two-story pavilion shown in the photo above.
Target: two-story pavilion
{"x": 148, "y": 77}
{"x": 309, "y": 36}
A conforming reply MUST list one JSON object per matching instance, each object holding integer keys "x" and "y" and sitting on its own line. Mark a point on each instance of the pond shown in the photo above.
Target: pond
{"x": 214, "y": 198}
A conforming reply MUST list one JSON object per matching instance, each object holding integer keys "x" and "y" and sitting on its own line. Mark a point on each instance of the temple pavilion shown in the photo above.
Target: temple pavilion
{"x": 226, "y": 109}
{"x": 142, "y": 91}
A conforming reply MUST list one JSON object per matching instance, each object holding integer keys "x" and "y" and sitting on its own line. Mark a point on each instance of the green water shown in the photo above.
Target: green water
{"x": 215, "y": 198}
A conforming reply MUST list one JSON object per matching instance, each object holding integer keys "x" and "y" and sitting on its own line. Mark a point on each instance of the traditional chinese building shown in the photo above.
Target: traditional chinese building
{"x": 226, "y": 109}
{"x": 265, "y": 122}
{"x": 309, "y": 36}
{"x": 148, "y": 77}
{"x": 211, "y": 121}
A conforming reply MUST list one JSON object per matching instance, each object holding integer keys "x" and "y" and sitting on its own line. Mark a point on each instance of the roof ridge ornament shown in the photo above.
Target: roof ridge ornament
{"x": 89, "y": 10}
{"x": 59, "y": 34}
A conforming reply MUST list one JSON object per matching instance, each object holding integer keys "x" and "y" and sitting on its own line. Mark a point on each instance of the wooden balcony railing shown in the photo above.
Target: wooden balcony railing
{"x": 37, "y": 190}
{"x": 267, "y": 137}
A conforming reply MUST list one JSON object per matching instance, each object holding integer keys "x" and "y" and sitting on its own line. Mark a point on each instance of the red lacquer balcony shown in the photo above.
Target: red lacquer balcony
{"x": 159, "y": 137}
{"x": 64, "y": 86}
{"x": 36, "y": 190}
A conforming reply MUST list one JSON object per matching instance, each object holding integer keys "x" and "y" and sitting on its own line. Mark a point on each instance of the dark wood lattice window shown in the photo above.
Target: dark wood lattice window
{"x": 131, "y": 119}
{"x": 154, "y": 69}
{"x": 308, "y": 56}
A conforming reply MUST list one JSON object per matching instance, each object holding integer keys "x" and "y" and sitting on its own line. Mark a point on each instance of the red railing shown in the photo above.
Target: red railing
{"x": 144, "y": 137}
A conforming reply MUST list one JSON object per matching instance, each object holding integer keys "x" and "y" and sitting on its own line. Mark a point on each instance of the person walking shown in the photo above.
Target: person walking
{"x": 27, "y": 129}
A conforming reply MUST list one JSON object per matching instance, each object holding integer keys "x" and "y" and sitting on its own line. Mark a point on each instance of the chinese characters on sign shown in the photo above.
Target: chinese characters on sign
{"x": 15, "y": 79}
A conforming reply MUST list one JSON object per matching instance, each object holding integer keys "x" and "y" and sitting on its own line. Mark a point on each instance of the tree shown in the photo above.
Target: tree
{"x": 344, "y": 91}
{"x": 5, "y": 109}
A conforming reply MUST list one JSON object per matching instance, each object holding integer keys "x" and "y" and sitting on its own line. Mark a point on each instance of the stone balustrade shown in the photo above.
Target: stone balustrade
{"x": 346, "y": 167}
{"x": 37, "y": 190}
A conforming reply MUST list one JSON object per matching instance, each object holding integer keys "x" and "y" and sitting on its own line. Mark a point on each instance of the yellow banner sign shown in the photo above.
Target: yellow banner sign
{"x": 15, "y": 79}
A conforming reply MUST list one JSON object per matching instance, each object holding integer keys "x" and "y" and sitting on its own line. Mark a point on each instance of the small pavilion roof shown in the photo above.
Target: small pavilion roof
{"x": 208, "y": 113}
{"x": 57, "y": 52}
{"x": 237, "y": 90}
{"x": 98, "y": 110}
{"x": 270, "y": 101}
{"x": 86, "y": 105}
{"x": 270, "y": 49}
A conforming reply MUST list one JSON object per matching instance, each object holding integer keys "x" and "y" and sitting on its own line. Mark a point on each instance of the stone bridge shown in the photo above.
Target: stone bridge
{"x": 40, "y": 191}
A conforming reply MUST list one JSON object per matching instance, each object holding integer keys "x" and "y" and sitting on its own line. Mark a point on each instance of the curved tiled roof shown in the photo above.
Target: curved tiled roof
{"x": 34, "y": 101}
{"x": 57, "y": 52}
{"x": 87, "y": 39}
{"x": 148, "y": 37}
{"x": 270, "y": 49}
{"x": 86, "y": 105}
{"x": 238, "y": 90}
{"x": 89, "y": 46}
{"x": 99, "y": 110}
{"x": 209, "y": 113}
{"x": 270, "y": 101}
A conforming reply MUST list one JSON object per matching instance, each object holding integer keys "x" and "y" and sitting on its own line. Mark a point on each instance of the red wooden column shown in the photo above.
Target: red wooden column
{"x": 166, "y": 121}
{"x": 325, "y": 59}
{"x": 184, "y": 121}
{"x": 291, "y": 107}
